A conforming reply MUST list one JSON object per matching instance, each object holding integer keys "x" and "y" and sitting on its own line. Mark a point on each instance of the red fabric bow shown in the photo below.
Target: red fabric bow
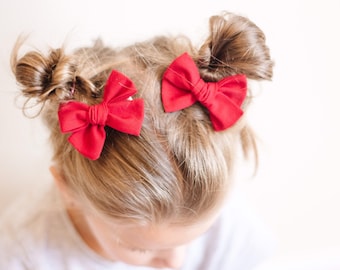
{"x": 86, "y": 123}
{"x": 182, "y": 86}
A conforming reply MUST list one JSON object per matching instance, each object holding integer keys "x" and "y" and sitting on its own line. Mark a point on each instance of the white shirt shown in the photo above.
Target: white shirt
{"x": 36, "y": 234}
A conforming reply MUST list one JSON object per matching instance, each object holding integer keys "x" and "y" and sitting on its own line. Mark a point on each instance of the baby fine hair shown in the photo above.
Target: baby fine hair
{"x": 179, "y": 167}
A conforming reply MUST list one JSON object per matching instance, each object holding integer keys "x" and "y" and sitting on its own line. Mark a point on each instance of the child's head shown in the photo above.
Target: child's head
{"x": 177, "y": 170}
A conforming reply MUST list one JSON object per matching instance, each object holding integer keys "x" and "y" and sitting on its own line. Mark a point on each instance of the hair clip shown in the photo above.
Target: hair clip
{"x": 182, "y": 86}
{"x": 86, "y": 123}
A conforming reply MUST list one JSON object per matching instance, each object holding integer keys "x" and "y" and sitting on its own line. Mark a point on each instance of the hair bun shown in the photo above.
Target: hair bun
{"x": 44, "y": 77}
{"x": 235, "y": 45}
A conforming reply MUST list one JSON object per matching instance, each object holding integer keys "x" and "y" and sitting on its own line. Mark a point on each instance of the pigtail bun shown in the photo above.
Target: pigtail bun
{"x": 235, "y": 45}
{"x": 44, "y": 77}
{"x": 56, "y": 77}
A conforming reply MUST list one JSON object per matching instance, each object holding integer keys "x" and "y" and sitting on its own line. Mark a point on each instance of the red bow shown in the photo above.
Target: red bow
{"x": 86, "y": 123}
{"x": 182, "y": 86}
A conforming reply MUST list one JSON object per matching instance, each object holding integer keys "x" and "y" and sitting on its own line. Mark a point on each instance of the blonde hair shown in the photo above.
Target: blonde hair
{"x": 179, "y": 167}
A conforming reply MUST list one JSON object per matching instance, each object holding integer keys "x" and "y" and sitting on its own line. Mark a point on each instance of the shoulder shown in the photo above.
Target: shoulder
{"x": 36, "y": 233}
{"x": 27, "y": 230}
{"x": 239, "y": 239}
{"x": 246, "y": 226}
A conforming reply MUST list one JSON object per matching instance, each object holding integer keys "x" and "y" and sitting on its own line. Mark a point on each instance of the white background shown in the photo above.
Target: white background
{"x": 297, "y": 188}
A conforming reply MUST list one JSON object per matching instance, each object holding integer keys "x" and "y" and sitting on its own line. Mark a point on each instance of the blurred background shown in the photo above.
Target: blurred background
{"x": 296, "y": 116}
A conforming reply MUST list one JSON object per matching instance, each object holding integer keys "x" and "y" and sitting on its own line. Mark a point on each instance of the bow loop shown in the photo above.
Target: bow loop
{"x": 182, "y": 86}
{"x": 86, "y": 123}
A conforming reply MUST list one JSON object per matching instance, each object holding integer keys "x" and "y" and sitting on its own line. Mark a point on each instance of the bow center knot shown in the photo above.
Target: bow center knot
{"x": 98, "y": 114}
{"x": 204, "y": 92}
